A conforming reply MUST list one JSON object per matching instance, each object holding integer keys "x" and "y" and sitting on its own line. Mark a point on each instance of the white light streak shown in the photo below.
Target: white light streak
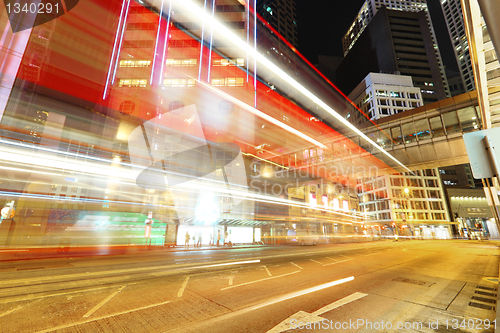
{"x": 194, "y": 9}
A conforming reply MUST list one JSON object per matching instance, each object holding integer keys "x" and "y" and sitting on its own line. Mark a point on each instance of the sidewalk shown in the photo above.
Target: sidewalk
{"x": 37, "y": 252}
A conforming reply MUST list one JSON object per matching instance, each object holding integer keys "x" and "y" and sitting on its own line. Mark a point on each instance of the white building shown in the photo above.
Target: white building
{"x": 370, "y": 8}
{"x": 452, "y": 10}
{"x": 413, "y": 203}
{"x": 380, "y": 95}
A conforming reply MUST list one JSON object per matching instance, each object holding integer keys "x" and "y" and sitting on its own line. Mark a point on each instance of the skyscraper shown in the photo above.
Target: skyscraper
{"x": 452, "y": 10}
{"x": 280, "y": 14}
{"x": 395, "y": 42}
{"x": 368, "y": 11}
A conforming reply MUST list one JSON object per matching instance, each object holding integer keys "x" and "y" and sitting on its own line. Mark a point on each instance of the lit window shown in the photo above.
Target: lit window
{"x": 181, "y": 62}
{"x": 229, "y": 62}
{"x": 135, "y": 63}
{"x": 228, "y": 82}
{"x": 178, "y": 82}
{"x": 142, "y": 83}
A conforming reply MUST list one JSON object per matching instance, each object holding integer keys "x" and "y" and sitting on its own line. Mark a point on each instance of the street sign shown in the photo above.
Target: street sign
{"x": 476, "y": 150}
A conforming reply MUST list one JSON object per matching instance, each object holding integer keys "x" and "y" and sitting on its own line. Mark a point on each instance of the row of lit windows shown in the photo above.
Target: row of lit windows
{"x": 183, "y": 82}
{"x": 229, "y": 62}
{"x": 396, "y": 94}
{"x": 387, "y": 102}
{"x": 228, "y": 82}
{"x": 142, "y": 83}
{"x": 183, "y": 62}
{"x": 135, "y": 63}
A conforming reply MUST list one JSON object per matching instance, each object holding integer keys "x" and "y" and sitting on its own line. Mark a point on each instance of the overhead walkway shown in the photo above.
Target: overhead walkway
{"x": 426, "y": 137}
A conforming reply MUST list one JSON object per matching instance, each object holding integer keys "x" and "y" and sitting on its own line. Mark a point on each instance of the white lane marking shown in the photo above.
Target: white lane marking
{"x": 295, "y": 265}
{"x": 316, "y": 261}
{"x": 100, "y": 318}
{"x": 16, "y": 299}
{"x": 10, "y": 311}
{"x": 104, "y": 301}
{"x": 267, "y": 270}
{"x": 269, "y": 278}
{"x": 184, "y": 284}
{"x": 306, "y": 291}
{"x": 371, "y": 254}
{"x": 331, "y": 259}
{"x": 118, "y": 271}
{"x": 337, "y": 262}
{"x": 231, "y": 280}
{"x": 339, "y": 303}
{"x": 314, "y": 317}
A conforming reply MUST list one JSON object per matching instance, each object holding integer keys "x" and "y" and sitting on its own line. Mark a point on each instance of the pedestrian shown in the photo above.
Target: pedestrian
{"x": 211, "y": 239}
{"x": 199, "y": 239}
{"x": 187, "y": 237}
{"x": 218, "y": 237}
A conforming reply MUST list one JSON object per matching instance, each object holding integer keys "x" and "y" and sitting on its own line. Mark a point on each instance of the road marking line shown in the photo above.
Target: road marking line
{"x": 267, "y": 270}
{"x": 316, "y": 261}
{"x": 332, "y": 259}
{"x": 340, "y": 302}
{"x": 104, "y": 301}
{"x": 296, "y": 265}
{"x": 10, "y": 311}
{"x": 269, "y": 278}
{"x": 337, "y": 262}
{"x": 184, "y": 284}
{"x": 231, "y": 280}
{"x": 306, "y": 291}
{"x": 366, "y": 255}
{"x": 100, "y": 318}
{"x": 118, "y": 271}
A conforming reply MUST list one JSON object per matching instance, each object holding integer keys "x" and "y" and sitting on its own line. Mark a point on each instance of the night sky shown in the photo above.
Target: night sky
{"x": 323, "y": 23}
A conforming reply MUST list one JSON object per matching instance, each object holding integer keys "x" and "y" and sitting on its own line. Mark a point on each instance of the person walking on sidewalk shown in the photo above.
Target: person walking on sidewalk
{"x": 218, "y": 237}
{"x": 198, "y": 243}
{"x": 186, "y": 244}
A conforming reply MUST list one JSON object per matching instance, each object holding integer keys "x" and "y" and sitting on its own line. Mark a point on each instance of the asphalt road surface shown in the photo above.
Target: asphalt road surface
{"x": 384, "y": 286}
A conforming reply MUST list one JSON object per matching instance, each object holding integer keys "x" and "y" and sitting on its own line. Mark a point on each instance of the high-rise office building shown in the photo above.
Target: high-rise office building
{"x": 370, "y": 8}
{"x": 452, "y": 10}
{"x": 280, "y": 14}
{"x": 395, "y": 42}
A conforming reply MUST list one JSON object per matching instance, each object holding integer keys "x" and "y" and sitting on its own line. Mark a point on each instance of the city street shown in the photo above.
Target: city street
{"x": 424, "y": 286}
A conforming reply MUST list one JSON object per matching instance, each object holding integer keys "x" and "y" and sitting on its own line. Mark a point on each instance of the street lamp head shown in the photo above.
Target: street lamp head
{"x": 406, "y": 190}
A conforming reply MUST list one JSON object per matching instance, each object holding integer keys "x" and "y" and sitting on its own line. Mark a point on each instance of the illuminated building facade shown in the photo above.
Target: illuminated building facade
{"x": 82, "y": 178}
{"x": 380, "y": 95}
{"x": 413, "y": 203}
